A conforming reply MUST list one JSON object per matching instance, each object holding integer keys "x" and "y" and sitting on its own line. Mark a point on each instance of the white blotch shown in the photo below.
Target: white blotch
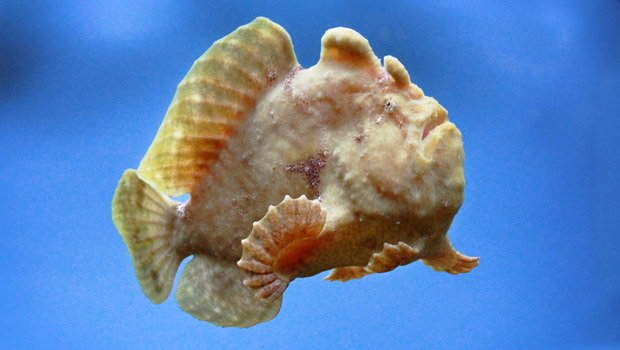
{"x": 180, "y": 209}
{"x": 196, "y": 98}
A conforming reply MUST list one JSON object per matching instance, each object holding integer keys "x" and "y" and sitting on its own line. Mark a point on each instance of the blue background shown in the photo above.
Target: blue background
{"x": 534, "y": 86}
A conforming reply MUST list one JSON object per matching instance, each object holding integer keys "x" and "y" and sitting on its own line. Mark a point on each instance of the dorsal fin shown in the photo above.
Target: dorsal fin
{"x": 396, "y": 70}
{"x": 219, "y": 92}
{"x": 348, "y": 46}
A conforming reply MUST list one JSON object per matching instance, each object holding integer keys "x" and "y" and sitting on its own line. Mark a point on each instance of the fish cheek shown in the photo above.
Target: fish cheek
{"x": 385, "y": 158}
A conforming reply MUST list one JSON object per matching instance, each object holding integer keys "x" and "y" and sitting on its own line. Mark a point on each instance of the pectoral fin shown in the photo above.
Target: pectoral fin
{"x": 281, "y": 245}
{"x": 450, "y": 260}
{"x": 392, "y": 256}
{"x": 347, "y": 273}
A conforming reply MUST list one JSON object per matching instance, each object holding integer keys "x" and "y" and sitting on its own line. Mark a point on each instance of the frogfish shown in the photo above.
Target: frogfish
{"x": 344, "y": 166}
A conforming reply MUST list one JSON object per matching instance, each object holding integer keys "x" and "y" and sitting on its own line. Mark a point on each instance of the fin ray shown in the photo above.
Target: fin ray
{"x": 212, "y": 290}
{"x": 221, "y": 76}
{"x": 144, "y": 219}
{"x": 450, "y": 260}
{"x": 389, "y": 258}
{"x": 281, "y": 244}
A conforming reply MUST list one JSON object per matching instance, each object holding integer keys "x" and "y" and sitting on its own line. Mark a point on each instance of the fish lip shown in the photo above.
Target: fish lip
{"x": 434, "y": 136}
{"x": 432, "y": 125}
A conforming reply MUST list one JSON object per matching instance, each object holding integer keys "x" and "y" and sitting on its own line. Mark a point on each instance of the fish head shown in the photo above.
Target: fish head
{"x": 403, "y": 155}
{"x": 394, "y": 148}
{"x": 411, "y": 152}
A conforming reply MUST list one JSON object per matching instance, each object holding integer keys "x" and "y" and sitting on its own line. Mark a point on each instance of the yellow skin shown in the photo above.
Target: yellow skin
{"x": 345, "y": 165}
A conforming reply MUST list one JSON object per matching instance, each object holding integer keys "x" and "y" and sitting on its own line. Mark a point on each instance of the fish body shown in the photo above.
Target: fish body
{"x": 344, "y": 166}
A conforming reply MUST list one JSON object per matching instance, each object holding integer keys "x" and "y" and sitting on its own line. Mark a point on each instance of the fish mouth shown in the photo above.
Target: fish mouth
{"x": 432, "y": 124}
{"x": 439, "y": 133}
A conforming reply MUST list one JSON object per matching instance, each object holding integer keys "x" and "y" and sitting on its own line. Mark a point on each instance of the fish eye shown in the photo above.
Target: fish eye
{"x": 389, "y": 105}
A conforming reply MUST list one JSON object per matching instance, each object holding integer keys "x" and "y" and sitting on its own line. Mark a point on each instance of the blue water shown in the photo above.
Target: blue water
{"x": 534, "y": 86}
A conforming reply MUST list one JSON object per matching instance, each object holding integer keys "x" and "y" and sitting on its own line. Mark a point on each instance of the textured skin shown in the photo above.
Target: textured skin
{"x": 363, "y": 172}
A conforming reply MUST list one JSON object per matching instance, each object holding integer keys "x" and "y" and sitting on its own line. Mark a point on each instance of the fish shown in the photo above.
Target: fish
{"x": 344, "y": 166}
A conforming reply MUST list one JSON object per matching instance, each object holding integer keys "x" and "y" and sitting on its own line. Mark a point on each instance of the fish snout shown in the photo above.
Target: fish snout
{"x": 436, "y": 118}
{"x": 443, "y": 148}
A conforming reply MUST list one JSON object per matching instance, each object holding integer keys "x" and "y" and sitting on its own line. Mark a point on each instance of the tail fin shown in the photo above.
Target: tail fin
{"x": 145, "y": 219}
